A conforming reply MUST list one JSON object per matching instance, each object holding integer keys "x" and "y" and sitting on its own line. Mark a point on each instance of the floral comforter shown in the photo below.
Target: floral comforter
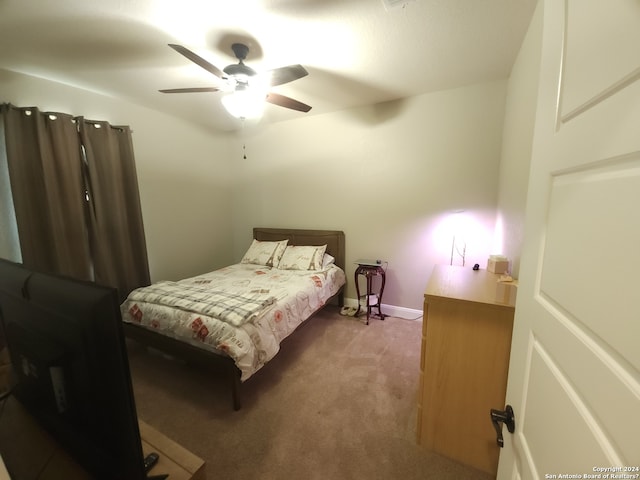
{"x": 275, "y": 303}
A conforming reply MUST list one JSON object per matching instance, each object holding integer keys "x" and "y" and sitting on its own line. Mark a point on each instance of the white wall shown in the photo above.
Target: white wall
{"x": 183, "y": 174}
{"x": 522, "y": 93}
{"x": 389, "y": 175}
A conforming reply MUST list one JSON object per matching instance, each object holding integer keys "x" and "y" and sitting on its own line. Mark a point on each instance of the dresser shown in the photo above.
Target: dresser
{"x": 466, "y": 341}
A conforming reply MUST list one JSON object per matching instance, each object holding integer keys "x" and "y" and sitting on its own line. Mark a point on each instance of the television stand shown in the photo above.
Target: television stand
{"x": 175, "y": 461}
{"x": 31, "y": 452}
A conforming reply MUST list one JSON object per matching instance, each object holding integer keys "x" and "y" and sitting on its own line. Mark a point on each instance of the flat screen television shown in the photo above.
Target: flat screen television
{"x": 69, "y": 358}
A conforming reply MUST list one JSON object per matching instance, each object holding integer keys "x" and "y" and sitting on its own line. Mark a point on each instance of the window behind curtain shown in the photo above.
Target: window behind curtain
{"x": 9, "y": 242}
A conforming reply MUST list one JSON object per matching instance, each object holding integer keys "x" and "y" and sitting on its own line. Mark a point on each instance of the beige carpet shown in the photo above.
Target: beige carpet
{"x": 338, "y": 402}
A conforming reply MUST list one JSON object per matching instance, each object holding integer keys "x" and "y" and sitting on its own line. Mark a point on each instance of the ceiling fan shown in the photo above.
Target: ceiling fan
{"x": 243, "y": 80}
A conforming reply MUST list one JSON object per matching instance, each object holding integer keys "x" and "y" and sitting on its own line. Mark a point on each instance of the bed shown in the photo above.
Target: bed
{"x": 233, "y": 320}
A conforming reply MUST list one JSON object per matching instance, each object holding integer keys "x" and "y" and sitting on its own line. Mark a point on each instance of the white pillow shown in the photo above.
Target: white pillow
{"x": 327, "y": 260}
{"x": 265, "y": 253}
{"x": 302, "y": 257}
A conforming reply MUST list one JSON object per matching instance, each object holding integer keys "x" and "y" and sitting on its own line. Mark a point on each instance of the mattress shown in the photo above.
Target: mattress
{"x": 256, "y": 308}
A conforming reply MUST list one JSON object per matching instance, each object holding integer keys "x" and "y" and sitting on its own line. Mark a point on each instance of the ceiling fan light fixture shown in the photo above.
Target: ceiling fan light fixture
{"x": 244, "y": 103}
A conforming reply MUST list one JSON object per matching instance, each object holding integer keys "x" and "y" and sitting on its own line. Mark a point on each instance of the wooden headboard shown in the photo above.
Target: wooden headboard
{"x": 334, "y": 239}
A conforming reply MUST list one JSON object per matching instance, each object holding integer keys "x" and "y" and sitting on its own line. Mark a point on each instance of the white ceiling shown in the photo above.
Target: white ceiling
{"x": 357, "y": 52}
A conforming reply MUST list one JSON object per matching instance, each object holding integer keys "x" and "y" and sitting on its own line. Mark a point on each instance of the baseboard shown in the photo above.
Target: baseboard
{"x": 391, "y": 310}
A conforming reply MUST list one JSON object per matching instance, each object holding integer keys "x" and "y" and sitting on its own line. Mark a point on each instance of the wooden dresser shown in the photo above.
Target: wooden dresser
{"x": 466, "y": 341}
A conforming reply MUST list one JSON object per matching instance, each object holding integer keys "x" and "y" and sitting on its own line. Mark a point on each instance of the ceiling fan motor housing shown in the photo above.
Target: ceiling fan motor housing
{"x": 239, "y": 69}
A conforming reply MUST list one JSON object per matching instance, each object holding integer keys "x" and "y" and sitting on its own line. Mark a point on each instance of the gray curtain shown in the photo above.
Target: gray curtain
{"x": 115, "y": 217}
{"x": 46, "y": 177}
{"x": 75, "y": 194}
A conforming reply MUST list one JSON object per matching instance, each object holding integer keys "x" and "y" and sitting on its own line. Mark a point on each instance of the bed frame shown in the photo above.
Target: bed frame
{"x": 218, "y": 362}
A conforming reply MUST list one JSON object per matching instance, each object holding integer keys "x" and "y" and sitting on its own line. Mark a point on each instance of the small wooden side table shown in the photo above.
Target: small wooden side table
{"x": 370, "y": 269}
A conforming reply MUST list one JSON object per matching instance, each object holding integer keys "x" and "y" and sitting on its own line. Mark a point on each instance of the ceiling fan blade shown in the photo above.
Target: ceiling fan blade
{"x": 288, "y": 74}
{"x": 286, "y": 102}
{"x": 198, "y": 60}
{"x": 190, "y": 90}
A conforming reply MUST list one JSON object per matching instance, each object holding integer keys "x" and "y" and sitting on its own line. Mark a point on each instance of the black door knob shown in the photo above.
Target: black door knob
{"x": 498, "y": 417}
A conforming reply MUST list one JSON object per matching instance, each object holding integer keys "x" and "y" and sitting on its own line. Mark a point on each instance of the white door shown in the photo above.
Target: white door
{"x": 574, "y": 377}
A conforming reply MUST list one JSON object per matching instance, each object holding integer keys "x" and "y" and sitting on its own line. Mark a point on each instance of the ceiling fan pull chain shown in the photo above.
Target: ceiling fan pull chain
{"x": 244, "y": 147}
